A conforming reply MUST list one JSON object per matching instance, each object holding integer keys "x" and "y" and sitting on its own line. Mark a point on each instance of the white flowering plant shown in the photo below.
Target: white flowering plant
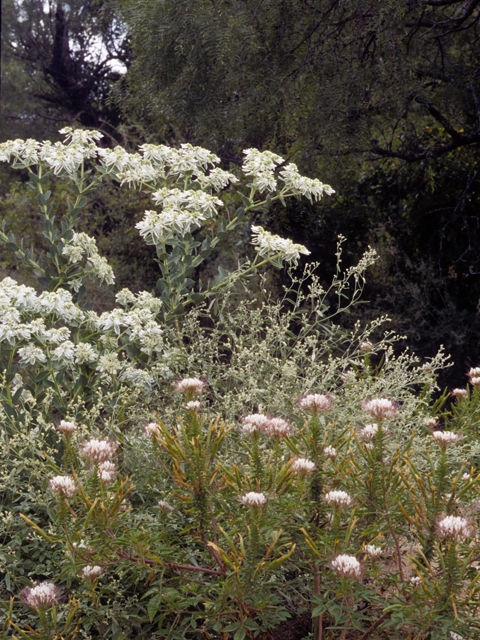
{"x": 176, "y": 469}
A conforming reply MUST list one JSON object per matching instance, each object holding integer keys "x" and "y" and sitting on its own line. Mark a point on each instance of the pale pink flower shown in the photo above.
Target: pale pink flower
{"x": 152, "y": 429}
{"x": 43, "y": 595}
{"x": 372, "y": 550}
{"x": 190, "y": 385}
{"x": 253, "y": 499}
{"x": 253, "y": 422}
{"x": 415, "y": 581}
{"x": 67, "y": 427}
{"x": 330, "y": 452}
{"x": 277, "y": 427}
{"x": 107, "y": 471}
{"x": 455, "y": 527}
{"x": 368, "y": 432}
{"x": 98, "y": 450}
{"x": 430, "y": 423}
{"x": 63, "y": 485}
{"x": 460, "y": 393}
{"x": 193, "y": 405}
{"x": 366, "y": 346}
{"x": 380, "y": 408}
{"x": 444, "y": 438}
{"x": 347, "y": 566}
{"x": 92, "y": 572}
{"x": 315, "y": 402}
{"x": 338, "y": 499}
{"x": 303, "y": 466}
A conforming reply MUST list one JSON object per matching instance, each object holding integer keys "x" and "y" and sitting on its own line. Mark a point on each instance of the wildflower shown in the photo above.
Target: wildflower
{"x": 253, "y": 499}
{"x": 67, "y": 427}
{"x": 347, "y": 566}
{"x": 92, "y": 572}
{"x": 380, "y": 408}
{"x": 190, "y": 385}
{"x": 303, "y": 466}
{"x": 474, "y": 376}
{"x": 277, "y": 427}
{"x": 338, "y": 499}
{"x": 269, "y": 243}
{"x": 368, "y": 432}
{"x": 465, "y": 477}
{"x": 253, "y": 422}
{"x": 309, "y": 187}
{"x": 454, "y": 527}
{"x": 164, "y": 506}
{"x": 107, "y": 471}
{"x": 63, "y": 485}
{"x": 85, "y": 353}
{"x": 330, "y": 452}
{"x": 31, "y": 354}
{"x": 430, "y": 423}
{"x": 151, "y": 429}
{"x": 43, "y": 595}
{"x": 98, "y": 450}
{"x": 193, "y": 405}
{"x": 315, "y": 402}
{"x": 444, "y": 438}
{"x": 372, "y": 550}
{"x": 65, "y": 352}
{"x": 415, "y": 581}
{"x": 460, "y": 393}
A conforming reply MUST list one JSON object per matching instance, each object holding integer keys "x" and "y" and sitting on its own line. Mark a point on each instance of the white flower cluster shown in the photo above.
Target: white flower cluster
{"x": 82, "y": 245}
{"x": 164, "y": 506}
{"x": 190, "y": 385}
{"x": 338, "y": 499}
{"x": 107, "y": 471}
{"x": 92, "y": 572}
{"x": 269, "y": 425}
{"x": 460, "y": 393}
{"x": 98, "y": 450}
{"x": 372, "y": 550}
{"x": 63, "y": 485}
{"x": 44, "y": 594}
{"x": 261, "y": 165}
{"x": 315, "y": 402}
{"x": 303, "y": 466}
{"x": 380, "y": 408}
{"x": 455, "y": 527}
{"x": 253, "y": 499}
{"x": 347, "y": 566}
{"x": 157, "y": 227}
{"x": 368, "y": 432}
{"x": 330, "y": 452}
{"x": 67, "y": 427}
{"x": 309, "y": 187}
{"x": 269, "y": 244}
{"x": 474, "y": 376}
{"x": 445, "y": 438}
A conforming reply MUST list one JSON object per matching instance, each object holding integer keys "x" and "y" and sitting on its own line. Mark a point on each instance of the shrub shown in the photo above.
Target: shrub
{"x": 188, "y": 467}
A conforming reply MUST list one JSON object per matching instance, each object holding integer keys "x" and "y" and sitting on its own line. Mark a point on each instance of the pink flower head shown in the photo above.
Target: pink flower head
{"x": 460, "y": 393}
{"x": 107, "y": 471}
{"x": 474, "y": 376}
{"x": 253, "y": 499}
{"x": 347, "y": 566}
{"x": 368, "y": 432}
{"x": 455, "y": 527}
{"x": 92, "y": 572}
{"x": 330, "y": 452}
{"x": 193, "y": 405}
{"x": 302, "y": 466}
{"x": 253, "y": 422}
{"x": 315, "y": 402}
{"x": 190, "y": 386}
{"x": 42, "y": 596}
{"x": 444, "y": 438}
{"x": 338, "y": 499}
{"x": 277, "y": 427}
{"x": 99, "y": 450}
{"x": 63, "y": 485}
{"x": 380, "y": 408}
{"x": 152, "y": 429}
{"x": 67, "y": 427}
{"x": 430, "y": 423}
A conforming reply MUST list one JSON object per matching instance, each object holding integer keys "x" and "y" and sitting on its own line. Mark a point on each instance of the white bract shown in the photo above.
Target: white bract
{"x": 267, "y": 244}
